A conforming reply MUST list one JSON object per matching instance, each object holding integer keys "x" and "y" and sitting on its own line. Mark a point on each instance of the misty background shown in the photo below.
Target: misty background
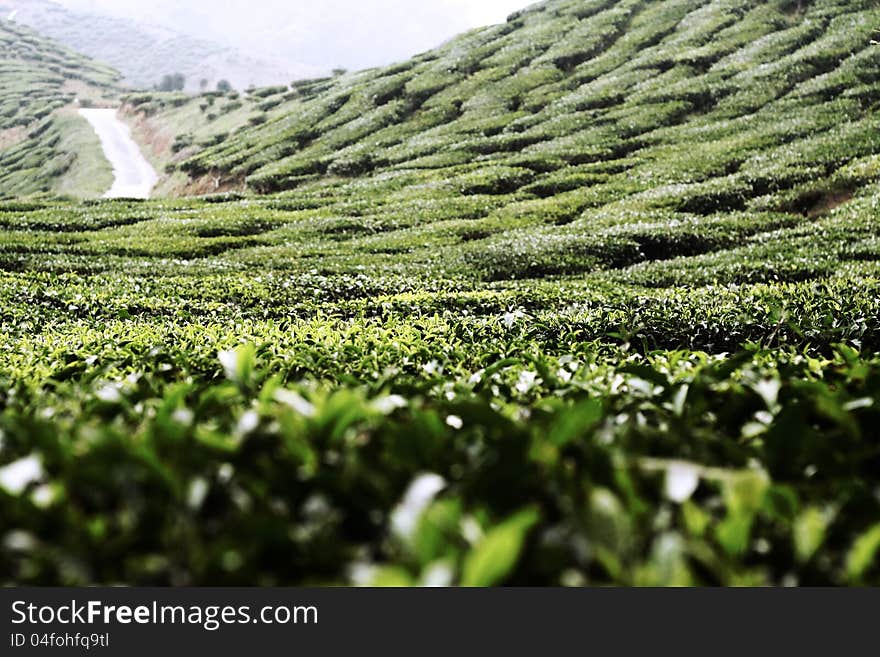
{"x": 352, "y": 34}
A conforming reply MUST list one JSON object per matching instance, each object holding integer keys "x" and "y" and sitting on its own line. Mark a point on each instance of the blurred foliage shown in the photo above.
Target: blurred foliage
{"x": 179, "y": 464}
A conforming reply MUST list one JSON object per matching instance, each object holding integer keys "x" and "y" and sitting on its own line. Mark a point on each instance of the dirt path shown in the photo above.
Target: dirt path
{"x": 134, "y": 177}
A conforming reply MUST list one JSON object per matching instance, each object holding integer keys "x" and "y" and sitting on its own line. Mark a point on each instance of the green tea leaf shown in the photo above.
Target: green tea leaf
{"x": 863, "y": 553}
{"x": 496, "y": 554}
{"x": 809, "y": 532}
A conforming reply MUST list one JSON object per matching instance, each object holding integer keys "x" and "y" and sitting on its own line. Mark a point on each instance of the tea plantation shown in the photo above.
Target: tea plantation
{"x": 44, "y": 146}
{"x": 588, "y": 298}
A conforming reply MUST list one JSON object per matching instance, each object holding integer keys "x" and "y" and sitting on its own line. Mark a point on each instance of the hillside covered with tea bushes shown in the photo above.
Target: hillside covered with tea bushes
{"x": 44, "y": 145}
{"x": 588, "y": 298}
{"x": 596, "y": 100}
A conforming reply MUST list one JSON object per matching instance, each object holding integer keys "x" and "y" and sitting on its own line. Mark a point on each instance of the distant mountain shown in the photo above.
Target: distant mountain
{"x": 145, "y": 52}
{"x": 326, "y": 34}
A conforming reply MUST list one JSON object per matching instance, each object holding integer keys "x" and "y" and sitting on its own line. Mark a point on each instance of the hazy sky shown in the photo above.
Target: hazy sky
{"x": 349, "y": 33}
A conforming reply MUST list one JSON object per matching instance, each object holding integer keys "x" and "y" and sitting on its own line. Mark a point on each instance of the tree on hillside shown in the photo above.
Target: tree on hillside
{"x": 173, "y": 82}
{"x": 224, "y": 86}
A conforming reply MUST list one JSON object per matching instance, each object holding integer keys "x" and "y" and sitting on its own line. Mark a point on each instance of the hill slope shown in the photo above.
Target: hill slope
{"x": 576, "y": 84}
{"x": 145, "y": 52}
{"x": 605, "y": 279}
{"x": 44, "y": 145}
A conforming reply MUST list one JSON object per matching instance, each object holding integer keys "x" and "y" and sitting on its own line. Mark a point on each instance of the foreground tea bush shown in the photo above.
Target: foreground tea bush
{"x": 669, "y": 468}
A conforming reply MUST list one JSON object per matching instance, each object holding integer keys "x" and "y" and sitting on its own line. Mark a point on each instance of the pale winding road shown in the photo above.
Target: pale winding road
{"x": 134, "y": 177}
